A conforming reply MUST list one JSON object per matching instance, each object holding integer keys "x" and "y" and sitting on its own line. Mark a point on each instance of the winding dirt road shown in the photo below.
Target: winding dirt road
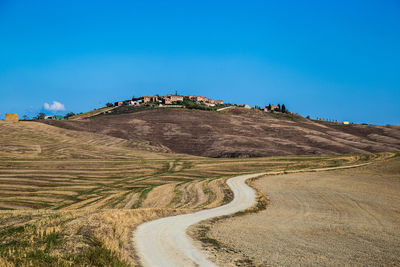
{"x": 164, "y": 242}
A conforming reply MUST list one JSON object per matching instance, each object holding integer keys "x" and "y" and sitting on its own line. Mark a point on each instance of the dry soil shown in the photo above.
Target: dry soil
{"x": 238, "y": 133}
{"x": 346, "y": 217}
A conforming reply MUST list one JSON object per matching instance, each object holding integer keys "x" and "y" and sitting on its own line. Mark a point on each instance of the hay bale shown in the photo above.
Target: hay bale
{"x": 11, "y": 117}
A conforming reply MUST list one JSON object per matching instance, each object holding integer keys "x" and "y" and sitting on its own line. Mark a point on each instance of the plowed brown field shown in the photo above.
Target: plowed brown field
{"x": 239, "y": 133}
{"x": 346, "y": 217}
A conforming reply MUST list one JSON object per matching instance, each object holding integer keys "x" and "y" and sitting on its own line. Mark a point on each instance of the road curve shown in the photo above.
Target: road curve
{"x": 164, "y": 242}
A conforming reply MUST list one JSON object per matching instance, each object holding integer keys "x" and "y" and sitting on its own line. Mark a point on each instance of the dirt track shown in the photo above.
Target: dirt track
{"x": 164, "y": 242}
{"x": 346, "y": 217}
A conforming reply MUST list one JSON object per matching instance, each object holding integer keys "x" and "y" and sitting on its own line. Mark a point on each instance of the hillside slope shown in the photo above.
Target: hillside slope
{"x": 239, "y": 133}
{"x": 33, "y": 140}
{"x": 91, "y": 113}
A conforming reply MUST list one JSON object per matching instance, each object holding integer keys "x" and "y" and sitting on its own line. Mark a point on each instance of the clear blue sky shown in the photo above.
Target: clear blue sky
{"x": 331, "y": 59}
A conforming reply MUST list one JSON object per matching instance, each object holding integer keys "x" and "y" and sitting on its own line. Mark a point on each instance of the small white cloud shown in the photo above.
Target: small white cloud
{"x": 56, "y": 106}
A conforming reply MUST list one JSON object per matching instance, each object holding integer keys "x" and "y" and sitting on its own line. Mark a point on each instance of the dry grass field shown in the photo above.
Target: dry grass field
{"x": 72, "y": 198}
{"x": 335, "y": 218}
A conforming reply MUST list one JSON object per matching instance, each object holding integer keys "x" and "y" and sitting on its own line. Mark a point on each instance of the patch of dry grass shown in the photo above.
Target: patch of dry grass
{"x": 39, "y": 238}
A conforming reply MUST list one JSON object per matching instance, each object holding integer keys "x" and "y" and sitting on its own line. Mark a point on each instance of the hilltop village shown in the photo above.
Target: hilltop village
{"x": 189, "y": 101}
{"x": 167, "y": 101}
{"x": 157, "y": 101}
{"x": 170, "y": 100}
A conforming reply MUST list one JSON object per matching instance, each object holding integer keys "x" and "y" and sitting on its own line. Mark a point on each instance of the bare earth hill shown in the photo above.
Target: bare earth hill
{"x": 239, "y": 133}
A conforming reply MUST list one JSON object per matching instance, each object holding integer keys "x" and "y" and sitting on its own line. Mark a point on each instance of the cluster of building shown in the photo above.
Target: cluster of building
{"x": 54, "y": 117}
{"x": 270, "y": 108}
{"x": 169, "y": 100}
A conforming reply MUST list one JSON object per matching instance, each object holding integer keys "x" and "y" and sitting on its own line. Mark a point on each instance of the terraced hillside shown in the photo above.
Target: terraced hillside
{"x": 239, "y": 132}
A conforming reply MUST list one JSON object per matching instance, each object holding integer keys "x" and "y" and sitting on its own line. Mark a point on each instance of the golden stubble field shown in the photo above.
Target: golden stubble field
{"x": 73, "y": 198}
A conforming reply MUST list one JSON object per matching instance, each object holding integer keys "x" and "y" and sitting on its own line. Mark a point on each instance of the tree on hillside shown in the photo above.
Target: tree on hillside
{"x": 283, "y": 108}
{"x": 109, "y": 105}
{"x": 279, "y": 107}
{"x": 69, "y": 114}
{"x": 39, "y": 116}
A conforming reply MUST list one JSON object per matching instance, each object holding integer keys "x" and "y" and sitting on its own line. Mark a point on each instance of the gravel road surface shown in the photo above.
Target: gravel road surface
{"x": 164, "y": 242}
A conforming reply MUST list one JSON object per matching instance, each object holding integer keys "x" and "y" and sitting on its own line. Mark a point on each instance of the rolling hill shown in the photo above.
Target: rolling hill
{"x": 238, "y": 132}
{"x": 72, "y": 192}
